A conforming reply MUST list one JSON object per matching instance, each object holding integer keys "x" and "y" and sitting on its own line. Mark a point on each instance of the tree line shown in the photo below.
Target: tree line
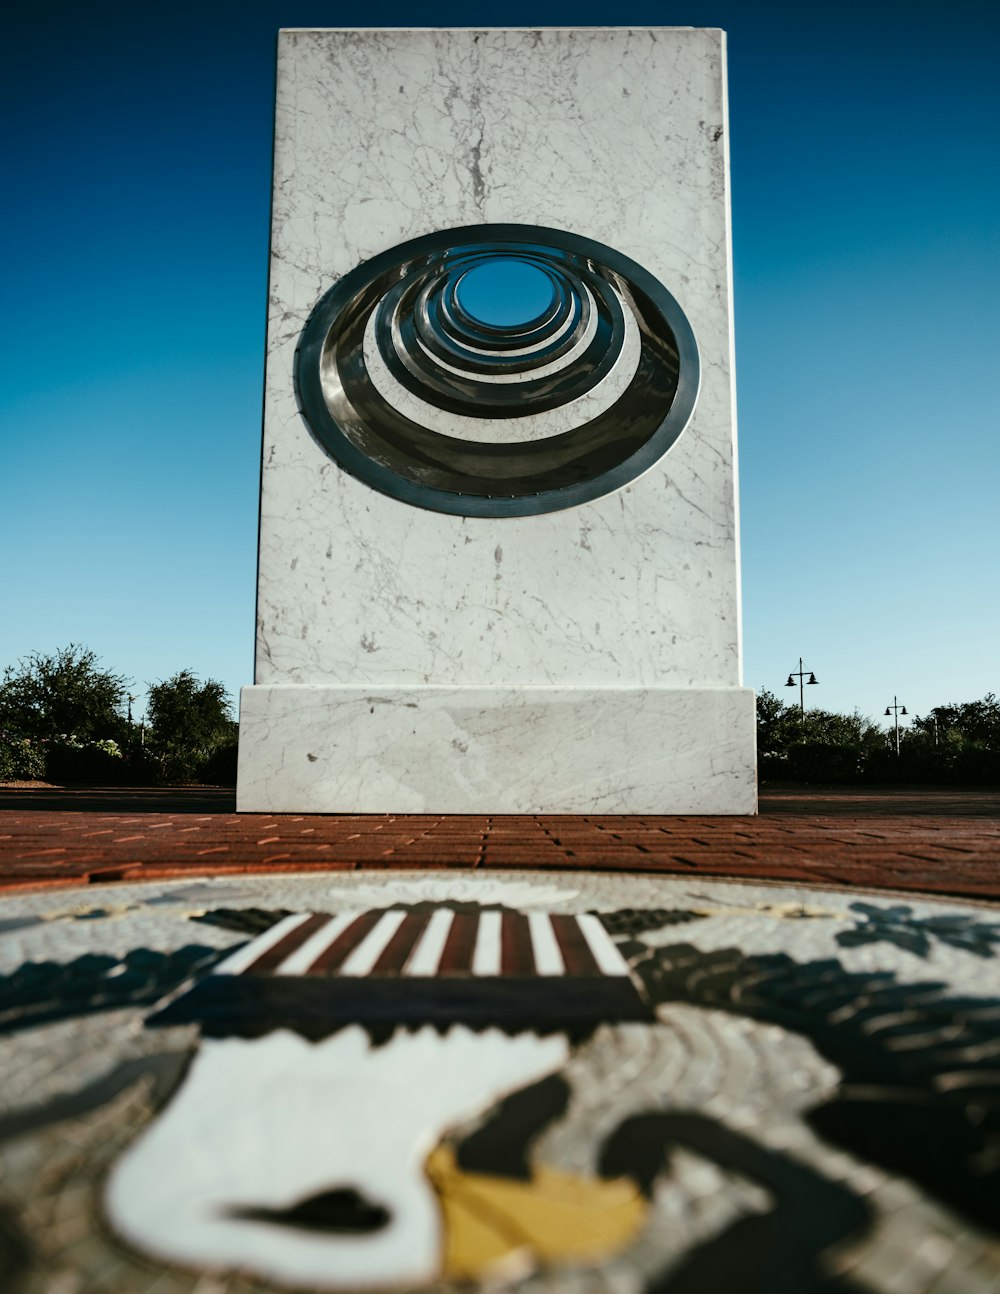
{"x": 955, "y": 744}
{"x": 64, "y": 718}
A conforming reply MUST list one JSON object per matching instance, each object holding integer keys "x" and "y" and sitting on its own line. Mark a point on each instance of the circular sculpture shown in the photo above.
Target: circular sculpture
{"x": 417, "y": 390}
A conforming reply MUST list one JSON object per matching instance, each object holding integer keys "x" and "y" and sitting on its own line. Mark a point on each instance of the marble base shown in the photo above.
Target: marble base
{"x": 427, "y": 749}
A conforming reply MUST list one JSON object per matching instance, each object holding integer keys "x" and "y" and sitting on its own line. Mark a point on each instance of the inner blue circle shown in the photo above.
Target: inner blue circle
{"x": 505, "y": 292}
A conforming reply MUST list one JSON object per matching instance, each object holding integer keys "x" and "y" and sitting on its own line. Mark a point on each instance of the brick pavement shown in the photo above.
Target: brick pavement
{"x": 935, "y": 842}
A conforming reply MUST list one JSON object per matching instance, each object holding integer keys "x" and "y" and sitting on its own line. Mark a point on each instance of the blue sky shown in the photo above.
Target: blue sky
{"x": 867, "y": 272}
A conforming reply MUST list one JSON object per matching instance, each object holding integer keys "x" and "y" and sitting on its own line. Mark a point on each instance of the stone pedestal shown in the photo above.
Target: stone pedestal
{"x": 569, "y": 642}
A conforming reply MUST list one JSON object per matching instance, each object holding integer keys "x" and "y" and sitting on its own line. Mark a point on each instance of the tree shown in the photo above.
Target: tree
{"x": 959, "y": 742}
{"x": 63, "y": 695}
{"x": 975, "y": 722}
{"x": 777, "y": 724}
{"x": 832, "y": 729}
{"x": 189, "y": 721}
{"x": 818, "y": 746}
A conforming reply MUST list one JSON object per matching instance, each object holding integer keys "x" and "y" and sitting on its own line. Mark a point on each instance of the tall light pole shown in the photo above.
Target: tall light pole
{"x": 896, "y": 710}
{"x": 800, "y": 674}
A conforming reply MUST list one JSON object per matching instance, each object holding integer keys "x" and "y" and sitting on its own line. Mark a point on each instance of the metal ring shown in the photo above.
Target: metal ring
{"x": 441, "y": 353}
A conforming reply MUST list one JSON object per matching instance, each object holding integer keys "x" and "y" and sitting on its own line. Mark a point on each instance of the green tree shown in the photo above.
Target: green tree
{"x": 975, "y": 722}
{"x": 65, "y": 694}
{"x": 833, "y": 747}
{"x": 777, "y": 724}
{"x": 818, "y": 746}
{"x": 959, "y": 742}
{"x": 834, "y": 729}
{"x": 188, "y": 723}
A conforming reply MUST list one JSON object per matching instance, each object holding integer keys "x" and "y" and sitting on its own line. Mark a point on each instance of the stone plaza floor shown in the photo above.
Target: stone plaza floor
{"x": 583, "y": 1055}
{"x": 936, "y": 842}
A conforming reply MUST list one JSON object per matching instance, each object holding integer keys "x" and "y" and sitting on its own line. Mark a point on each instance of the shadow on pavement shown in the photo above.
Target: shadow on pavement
{"x": 120, "y": 799}
{"x": 878, "y": 801}
{"x": 808, "y": 801}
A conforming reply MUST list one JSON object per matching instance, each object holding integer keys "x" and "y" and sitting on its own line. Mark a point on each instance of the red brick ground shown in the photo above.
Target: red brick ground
{"x": 937, "y": 842}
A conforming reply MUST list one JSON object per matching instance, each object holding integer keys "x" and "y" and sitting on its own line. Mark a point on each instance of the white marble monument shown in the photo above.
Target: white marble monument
{"x": 499, "y": 561}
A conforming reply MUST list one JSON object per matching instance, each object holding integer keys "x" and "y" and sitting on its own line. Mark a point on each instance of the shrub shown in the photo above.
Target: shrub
{"x": 220, "y": 767}
{"x": 21, "y": 759}
{"x": 91, "y": 762}
{"x": 823, "y": 761}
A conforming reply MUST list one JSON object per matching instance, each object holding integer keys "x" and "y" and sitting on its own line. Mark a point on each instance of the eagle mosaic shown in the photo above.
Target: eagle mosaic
{"x": 413, "y": 1082}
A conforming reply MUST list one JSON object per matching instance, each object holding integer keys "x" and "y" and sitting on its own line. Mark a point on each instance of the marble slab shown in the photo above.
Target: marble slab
{"x": 383, "y": 136}
{"x": 615, "y": 135}
{"x": 496, "y": 750}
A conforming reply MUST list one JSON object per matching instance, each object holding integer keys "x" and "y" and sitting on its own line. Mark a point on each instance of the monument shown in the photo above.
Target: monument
{"x": 499, "y": 562}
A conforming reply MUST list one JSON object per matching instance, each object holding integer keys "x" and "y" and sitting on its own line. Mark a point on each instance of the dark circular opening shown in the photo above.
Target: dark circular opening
{"x": 505, "y": 292}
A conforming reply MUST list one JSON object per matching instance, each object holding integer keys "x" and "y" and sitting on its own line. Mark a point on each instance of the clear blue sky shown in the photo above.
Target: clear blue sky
{"x": 865, "y": 186}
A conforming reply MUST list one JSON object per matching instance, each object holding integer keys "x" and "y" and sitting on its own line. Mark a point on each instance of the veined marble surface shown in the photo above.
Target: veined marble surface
{"x": 617, "y": 135}
{"x": 309, "y": 749}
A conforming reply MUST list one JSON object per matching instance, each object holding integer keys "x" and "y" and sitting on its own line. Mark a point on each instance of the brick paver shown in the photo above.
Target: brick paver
{"x": 940, "y": 842}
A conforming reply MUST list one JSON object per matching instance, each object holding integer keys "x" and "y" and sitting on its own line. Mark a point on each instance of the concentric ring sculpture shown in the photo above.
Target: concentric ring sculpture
{"x": 412, "y": 393}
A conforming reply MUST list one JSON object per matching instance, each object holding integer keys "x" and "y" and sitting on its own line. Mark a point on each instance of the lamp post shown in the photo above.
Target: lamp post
{"x": 131, "y": 729}
{"x": 896, "y": 710}
{"x": 800, "y": 674}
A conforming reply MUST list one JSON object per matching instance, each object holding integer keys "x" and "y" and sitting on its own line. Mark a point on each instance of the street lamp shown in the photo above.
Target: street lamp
{"x": 896, "y": 710}
{"x": 800, "y": 674}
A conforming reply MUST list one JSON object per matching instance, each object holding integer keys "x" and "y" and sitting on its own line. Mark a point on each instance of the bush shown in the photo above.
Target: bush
{"x": 822, "y": 761}
{"x": 220, "y": 767}
{"x": 94, "y": 762}
{"x": 21, "y": 759}
{"x": 978, "y": 766}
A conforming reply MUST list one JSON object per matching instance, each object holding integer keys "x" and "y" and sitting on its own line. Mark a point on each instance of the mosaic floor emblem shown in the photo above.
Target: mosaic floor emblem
{"x": 627, "y": 1084}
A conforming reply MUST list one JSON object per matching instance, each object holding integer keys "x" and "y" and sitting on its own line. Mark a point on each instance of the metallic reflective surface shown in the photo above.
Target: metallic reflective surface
{"x": 439, "y": 352}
